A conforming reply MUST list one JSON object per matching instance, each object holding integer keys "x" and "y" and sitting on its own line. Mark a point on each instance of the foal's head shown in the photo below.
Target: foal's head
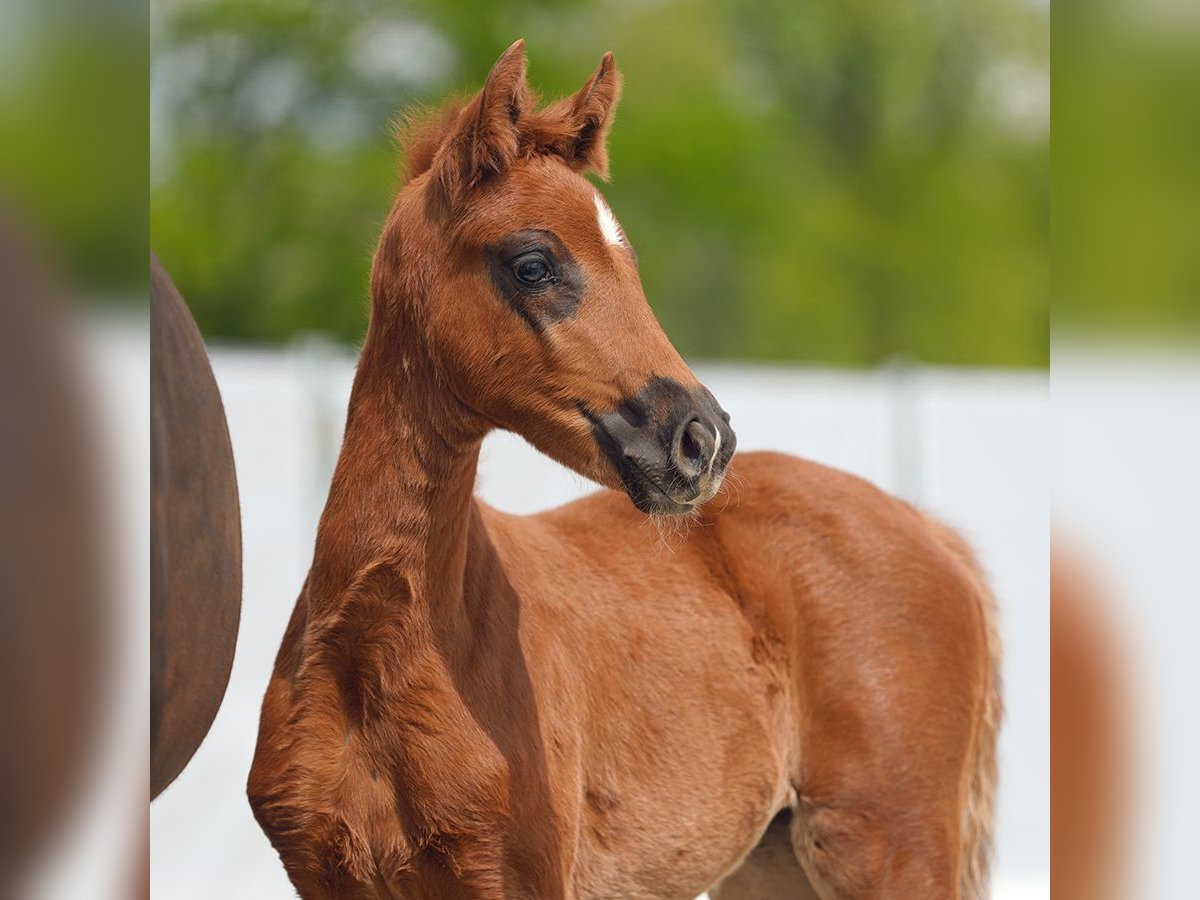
{"x": 504, "y": 269}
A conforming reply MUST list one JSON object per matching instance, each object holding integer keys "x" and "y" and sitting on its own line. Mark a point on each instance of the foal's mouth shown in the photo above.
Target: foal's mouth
{"x": 648, "y": 495}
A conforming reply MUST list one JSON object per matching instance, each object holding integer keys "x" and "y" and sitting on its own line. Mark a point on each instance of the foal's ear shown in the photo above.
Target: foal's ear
{"x": 486, "y": 137}
{"x": 576, "y": 128}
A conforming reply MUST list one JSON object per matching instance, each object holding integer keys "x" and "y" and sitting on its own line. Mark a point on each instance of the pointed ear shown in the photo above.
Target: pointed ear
{"x": 485, "y": 139}
{"x": 577, "y": 126}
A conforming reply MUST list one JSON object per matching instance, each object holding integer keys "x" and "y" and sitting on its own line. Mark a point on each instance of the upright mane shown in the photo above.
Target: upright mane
{"x": 418, "y": 132}
{"x": 573, "y": 128}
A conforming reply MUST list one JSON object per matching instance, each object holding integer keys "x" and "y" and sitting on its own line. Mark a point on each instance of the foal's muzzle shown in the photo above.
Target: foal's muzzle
{"x": 669, "y": 444}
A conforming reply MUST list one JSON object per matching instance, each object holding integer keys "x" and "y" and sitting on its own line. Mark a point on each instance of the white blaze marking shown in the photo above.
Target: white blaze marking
{"x": 716, "y": 450}
{"x": 608, "y": 223}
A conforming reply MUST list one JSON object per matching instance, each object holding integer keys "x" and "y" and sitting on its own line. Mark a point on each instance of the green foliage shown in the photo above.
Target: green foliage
{"x": 1126, "y": 177}
{"x": 834, "y": 181}
{"x": 72, "y": 141}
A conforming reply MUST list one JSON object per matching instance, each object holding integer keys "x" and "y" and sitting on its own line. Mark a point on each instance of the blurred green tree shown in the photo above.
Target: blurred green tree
{"x": 72, "y": 152}
{"x": 843, "y": 181}
{"x": 1125, "y": 173}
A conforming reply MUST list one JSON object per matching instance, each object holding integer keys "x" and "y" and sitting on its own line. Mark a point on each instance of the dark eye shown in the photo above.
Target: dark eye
{"x": 531, "y": 269}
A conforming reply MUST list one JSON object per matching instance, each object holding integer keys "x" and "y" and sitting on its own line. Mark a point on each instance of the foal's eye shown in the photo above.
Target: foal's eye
{"x": 531, "y": 269}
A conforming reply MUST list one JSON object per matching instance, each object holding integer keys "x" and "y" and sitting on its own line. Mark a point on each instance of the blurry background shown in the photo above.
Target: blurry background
{"x": 835, "y": 181}
{"x": 841, "y": 212}
{"x": 74, "y": 614}
{"x": 72, "y": 152}
{"x": 1126, "y": 423}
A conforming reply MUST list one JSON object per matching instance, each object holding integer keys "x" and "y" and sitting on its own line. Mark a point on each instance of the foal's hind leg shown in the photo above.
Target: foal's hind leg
{"x": 770, "y": 872}
{"x": 882, "y": 784}
{"x": 863, "y": 852}
{"x": 844, "y": 854}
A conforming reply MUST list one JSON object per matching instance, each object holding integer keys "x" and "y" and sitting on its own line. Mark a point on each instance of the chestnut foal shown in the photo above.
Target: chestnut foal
{"x": 800, "y": 700}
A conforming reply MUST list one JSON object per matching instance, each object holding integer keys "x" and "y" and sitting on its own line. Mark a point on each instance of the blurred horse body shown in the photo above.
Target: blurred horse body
{"x": 797, "y": 697}
{"x": 196, "y": 540}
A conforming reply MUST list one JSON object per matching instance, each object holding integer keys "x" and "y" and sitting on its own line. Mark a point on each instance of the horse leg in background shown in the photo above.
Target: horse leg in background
{"x": 770, "y": 872}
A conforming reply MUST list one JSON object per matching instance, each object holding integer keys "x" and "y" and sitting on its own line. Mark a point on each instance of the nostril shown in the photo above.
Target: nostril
{"x": 692, "y": 451}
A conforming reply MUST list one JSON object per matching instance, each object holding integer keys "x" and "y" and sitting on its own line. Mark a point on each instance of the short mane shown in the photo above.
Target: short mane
{"x": 420, "y": 130}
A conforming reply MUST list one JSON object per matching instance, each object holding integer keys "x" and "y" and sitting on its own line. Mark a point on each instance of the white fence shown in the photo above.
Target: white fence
{"x": 969, "y": 445}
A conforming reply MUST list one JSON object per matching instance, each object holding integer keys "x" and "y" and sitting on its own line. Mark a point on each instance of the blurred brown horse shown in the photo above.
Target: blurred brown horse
{"x": 195, "y": 540}
{"x": 800, "y": 699}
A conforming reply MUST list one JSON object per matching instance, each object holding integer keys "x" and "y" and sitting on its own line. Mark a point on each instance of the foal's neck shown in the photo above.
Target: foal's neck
{"x": 401, "y": 494}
